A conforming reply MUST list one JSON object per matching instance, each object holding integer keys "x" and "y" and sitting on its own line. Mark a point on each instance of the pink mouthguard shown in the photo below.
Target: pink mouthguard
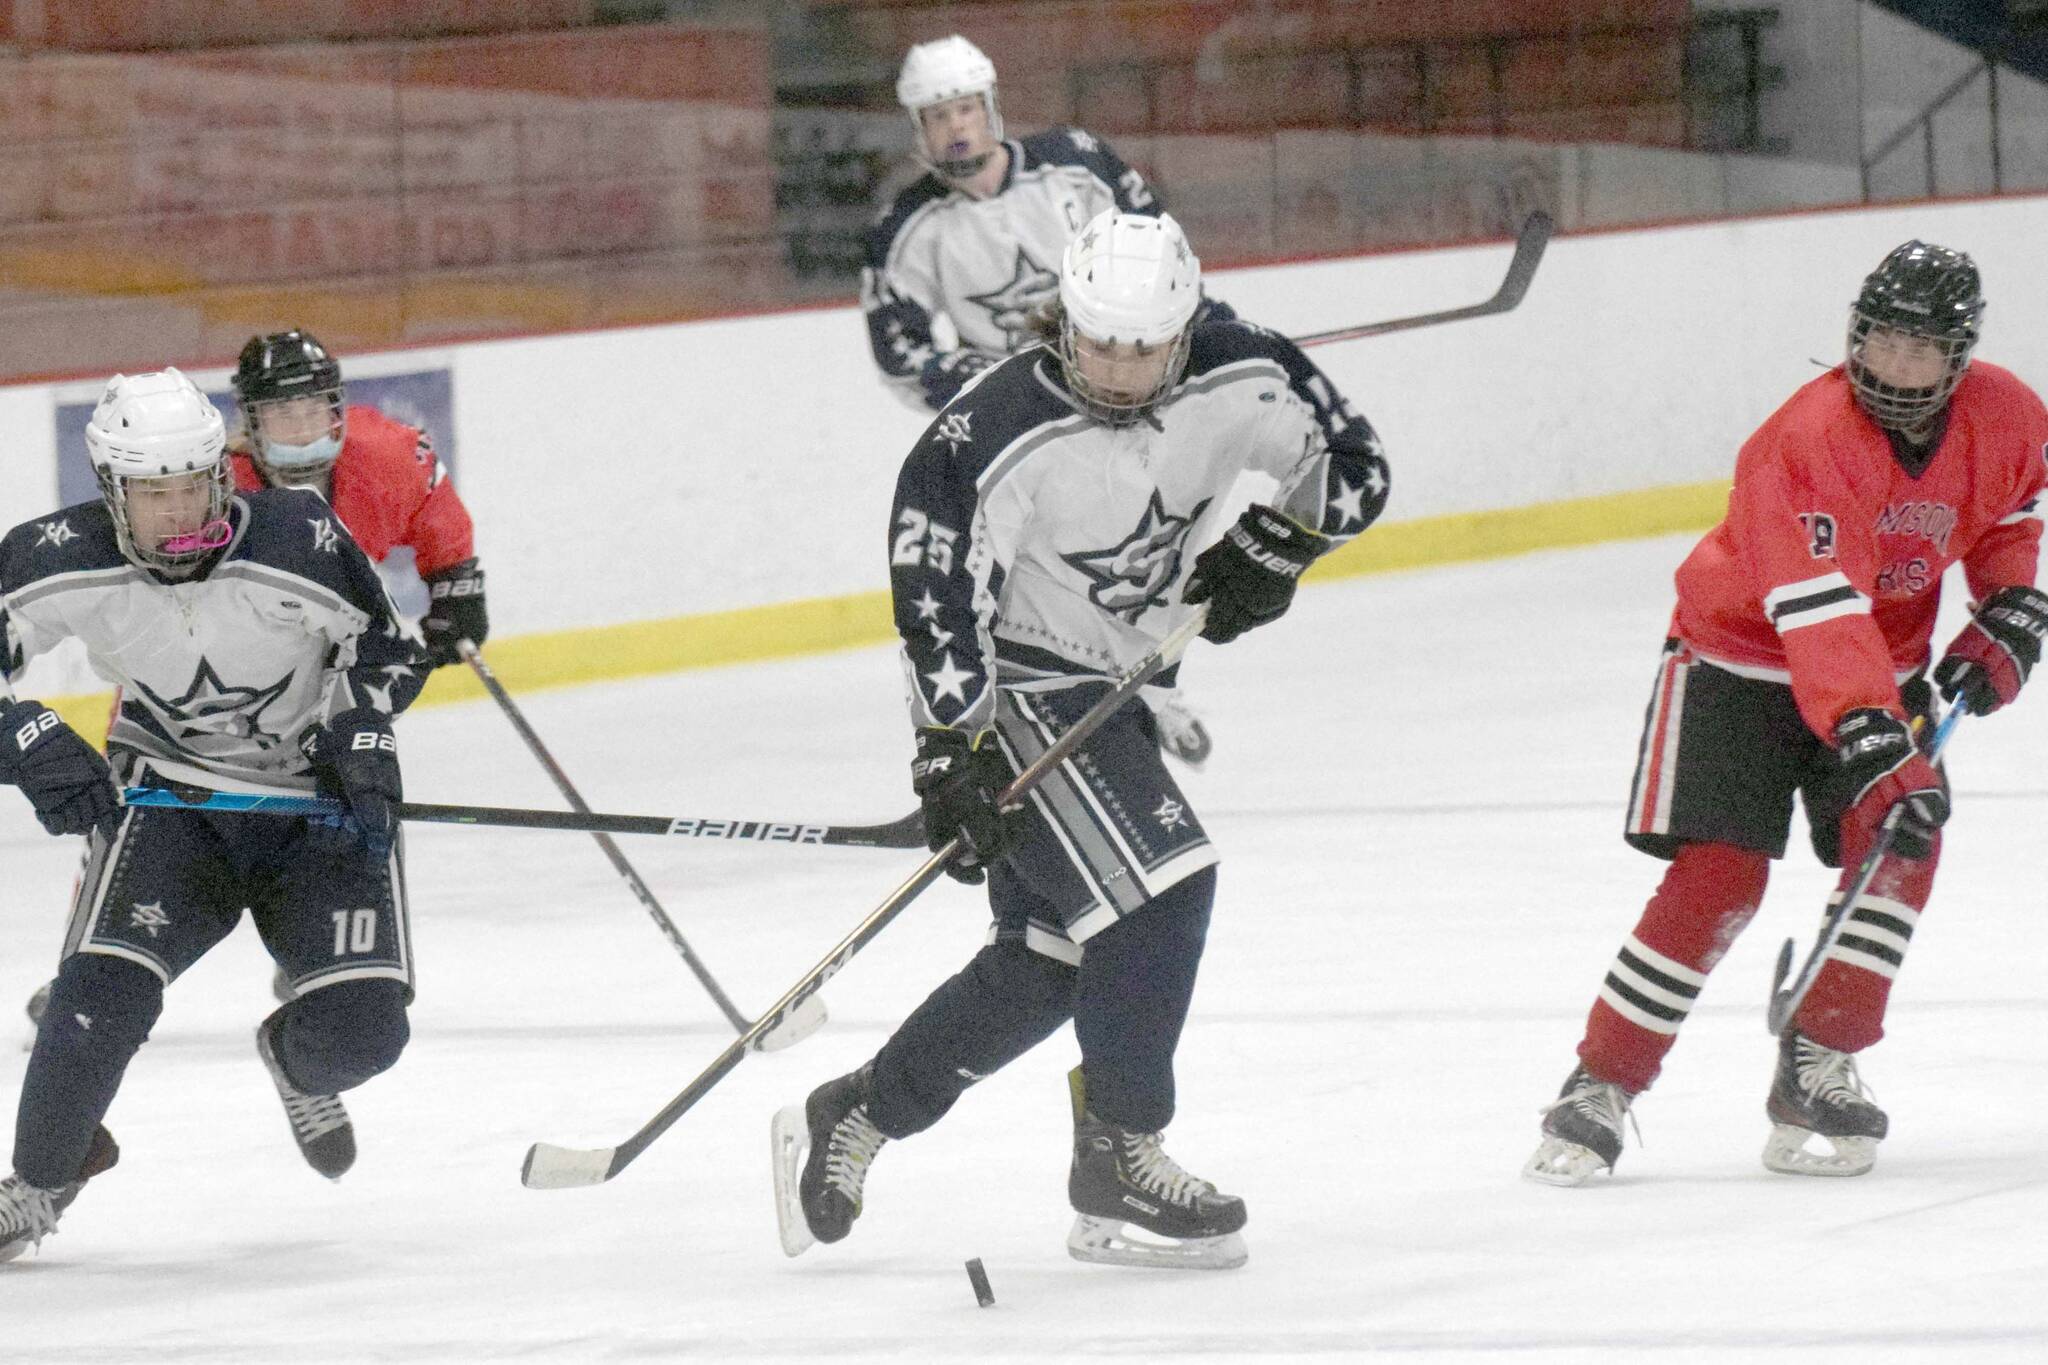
{"x": 211, "y": 536}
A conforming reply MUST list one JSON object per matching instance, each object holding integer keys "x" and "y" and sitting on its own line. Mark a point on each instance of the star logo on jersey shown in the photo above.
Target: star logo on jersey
{"x": 1082, "y": 139}
{"x": 956, "y": 430}
{"x": 149, "y": 918}
{"x": 1131, "y": 577}
{"x": 1010, "y": 304}
{"x": 950, "y": 680}
{"x": 56, "y": 534}
{"x": 1171, "y": 815}
{"x": 213, "y": 709}
{"x": 323, "y": 534}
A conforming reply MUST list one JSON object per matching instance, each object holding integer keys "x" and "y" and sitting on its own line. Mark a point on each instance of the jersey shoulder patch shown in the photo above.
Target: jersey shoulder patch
{"x": 1003, "y": 405}
{"x": 70, "y": 540}
{"x": 295, "y": 530}
{"x": 890, "y": 224}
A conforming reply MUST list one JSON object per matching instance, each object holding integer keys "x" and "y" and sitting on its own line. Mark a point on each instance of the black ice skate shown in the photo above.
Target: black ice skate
{"x": 1822, "y": 1120}
{"x": 319, "y": 1122}
{"x": 29, "y": 1213}
{"x": 830, "y": 1139}
{"x": 1581, "y": 1131}
{"x": 1134, "y": 1205}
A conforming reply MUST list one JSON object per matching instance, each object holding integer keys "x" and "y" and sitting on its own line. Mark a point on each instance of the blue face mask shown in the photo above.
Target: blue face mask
{"x": 305, "y": 459}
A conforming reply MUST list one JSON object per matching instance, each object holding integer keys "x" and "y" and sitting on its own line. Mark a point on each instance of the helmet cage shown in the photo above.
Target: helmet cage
{"x": 1918, "y": 290}
{"x": 276, "y": 368}
{"x": 285, "y": 463}
{"x": 114, "y": 492}
{"x": 1890, "y": 405}
{"x": 1119, "y": 410}
{"x": 149, "y": 428}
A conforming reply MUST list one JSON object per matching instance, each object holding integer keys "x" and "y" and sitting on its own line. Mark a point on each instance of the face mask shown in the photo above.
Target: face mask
{"x": 305, "y": 459}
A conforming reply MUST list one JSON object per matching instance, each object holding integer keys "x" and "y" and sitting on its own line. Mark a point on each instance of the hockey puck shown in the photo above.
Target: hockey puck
{"x": 978, "y": 1277}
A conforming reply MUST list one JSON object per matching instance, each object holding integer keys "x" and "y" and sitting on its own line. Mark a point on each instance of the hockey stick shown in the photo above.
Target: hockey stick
{"x": 800, "y": 1024}
{"x": 1785, "y": 1000}
{"x": 907, "y": 832}
{"x": 549, "y": 1167}
{"x": 1529, "y": 244}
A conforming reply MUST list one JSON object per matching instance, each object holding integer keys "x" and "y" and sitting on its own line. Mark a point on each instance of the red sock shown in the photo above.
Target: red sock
{"x": 1707, "y": 896}
{"x": 1845, "y": 1008}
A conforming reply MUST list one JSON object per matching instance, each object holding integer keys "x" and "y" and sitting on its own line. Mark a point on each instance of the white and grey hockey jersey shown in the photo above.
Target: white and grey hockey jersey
{"x": 219, "y": 674}
{"x": 1033, "y": 547}
{"x": 984, "y": 264}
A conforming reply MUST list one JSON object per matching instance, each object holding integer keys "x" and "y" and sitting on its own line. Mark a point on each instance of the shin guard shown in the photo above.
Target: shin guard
{"x": 1709, "y": 893}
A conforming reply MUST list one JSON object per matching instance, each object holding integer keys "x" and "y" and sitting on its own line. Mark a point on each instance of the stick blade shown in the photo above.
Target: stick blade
{"x": 549, "y": 1167}
{"x": 806, "y": 1019}
{"x": 1780, "y": 1012}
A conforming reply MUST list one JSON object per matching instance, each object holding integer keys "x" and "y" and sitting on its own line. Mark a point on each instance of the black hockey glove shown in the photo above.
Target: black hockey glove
{"x": 355, "y": 760}
{"x": 1248, "y": 577}
{"x": 455, "y": 611}
{"x": 1988, "y": 662}
{"x": 958, "y": 778}
{"x": 63, "y": 777}
{"x": 943, "y": 376}
{"x": 1881, "y": 768}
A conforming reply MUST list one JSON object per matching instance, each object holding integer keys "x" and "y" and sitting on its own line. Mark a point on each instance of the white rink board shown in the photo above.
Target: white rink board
{"x": 1418, "y": 786}
{"x": 661, "y": 471}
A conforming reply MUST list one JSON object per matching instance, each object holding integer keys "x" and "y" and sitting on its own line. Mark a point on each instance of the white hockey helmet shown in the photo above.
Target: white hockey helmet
{"x": 157, "y": 430}
{"x": 946, "y": 69}
{"x": 1132, "y": 282}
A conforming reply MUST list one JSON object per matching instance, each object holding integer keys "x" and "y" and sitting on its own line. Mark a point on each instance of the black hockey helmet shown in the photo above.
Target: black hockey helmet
{"x": 1924, "y": 291}
{"x": 284, "y": 365}
{"x": 275, "y": 368}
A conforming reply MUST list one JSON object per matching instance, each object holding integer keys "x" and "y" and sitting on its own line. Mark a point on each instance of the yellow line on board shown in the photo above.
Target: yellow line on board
{"x": 816, "y": 625}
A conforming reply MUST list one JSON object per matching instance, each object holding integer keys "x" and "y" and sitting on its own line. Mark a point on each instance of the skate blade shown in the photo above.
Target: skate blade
{"x": 1800, "y": 1151}
{"x": 789, "y": 1140}
{"x": 1109, "y": 1241}
{"x": 1562, "y": 1163}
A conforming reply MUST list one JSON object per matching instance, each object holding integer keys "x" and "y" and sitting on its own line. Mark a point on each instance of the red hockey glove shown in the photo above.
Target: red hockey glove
{"x": 1988, "y": 662}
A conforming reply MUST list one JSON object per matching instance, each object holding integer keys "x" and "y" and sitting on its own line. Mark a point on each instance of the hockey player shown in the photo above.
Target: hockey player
{"x": 256, "y": 650}
{"x": 975, "y": 240}
{"x": 1795, "y": 665}
{"x": 381, "y": 477}
{"x": 1042, "y": 543}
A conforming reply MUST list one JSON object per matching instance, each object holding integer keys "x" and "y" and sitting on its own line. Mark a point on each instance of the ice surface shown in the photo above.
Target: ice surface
{"x": 1417, "y": 787}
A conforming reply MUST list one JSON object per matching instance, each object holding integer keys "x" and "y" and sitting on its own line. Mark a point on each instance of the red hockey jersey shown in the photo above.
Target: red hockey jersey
{"x": 1826, "y": 572}
{"x": 390, "y": 490}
